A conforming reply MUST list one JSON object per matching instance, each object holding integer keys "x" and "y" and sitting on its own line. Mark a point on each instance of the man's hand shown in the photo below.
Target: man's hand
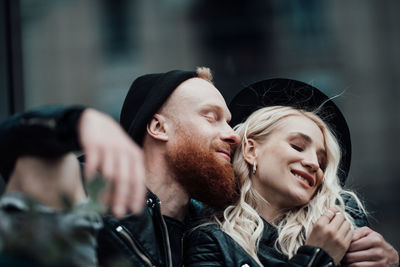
{"x": 109, "y": 150}
{"x": 369, "y": 248}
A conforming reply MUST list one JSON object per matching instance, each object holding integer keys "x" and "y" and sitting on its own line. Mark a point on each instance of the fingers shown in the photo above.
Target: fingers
{"x": 331, "y": 232}
{"x": 138, "y": 185}
{"x": 127, "y": 192}
{"x": 342, "y": 228}
{"x": 361, "y": 264}
{"x": 345, "y": 232}
{"x": 368, "y": 240}
{"x": 371, "y": 250}
{"x": 91, "y": 163}
{"x": 121, "y": 188}
{"x": 359, "y": 256}
{"x": 327, "y": 217}
{"x": 111, "y": 151}
{"x": 361, "y": 232}
{"x": 337, "y": 221}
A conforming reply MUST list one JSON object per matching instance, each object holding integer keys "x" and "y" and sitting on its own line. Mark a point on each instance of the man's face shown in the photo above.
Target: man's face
{"x": 200, "y": 140}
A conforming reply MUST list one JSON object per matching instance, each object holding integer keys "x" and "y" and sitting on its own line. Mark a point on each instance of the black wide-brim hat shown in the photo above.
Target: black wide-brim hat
{"x": 287, "y": 92}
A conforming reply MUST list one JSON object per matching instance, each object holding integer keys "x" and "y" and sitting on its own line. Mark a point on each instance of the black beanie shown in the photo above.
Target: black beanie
{"x": 146, "y": 96}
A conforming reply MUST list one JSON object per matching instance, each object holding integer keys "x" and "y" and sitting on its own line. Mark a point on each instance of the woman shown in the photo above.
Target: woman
{"x": 291, "y": 209}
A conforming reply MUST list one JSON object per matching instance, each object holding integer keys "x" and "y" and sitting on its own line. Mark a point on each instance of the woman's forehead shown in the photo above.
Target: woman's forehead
{"x": 301, "y": 125}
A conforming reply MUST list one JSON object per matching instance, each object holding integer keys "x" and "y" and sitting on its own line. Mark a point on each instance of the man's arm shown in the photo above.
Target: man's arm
{"x": 369, "y": 248}
{"x": 46, "y": 132}
{"x": 53, "y": 131}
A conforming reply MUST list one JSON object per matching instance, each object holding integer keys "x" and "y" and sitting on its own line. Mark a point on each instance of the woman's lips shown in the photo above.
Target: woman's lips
{"x": 304, "y": 176}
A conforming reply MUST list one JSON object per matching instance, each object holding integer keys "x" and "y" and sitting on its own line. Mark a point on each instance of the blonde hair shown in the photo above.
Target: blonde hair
{"x": 242, "y": 221}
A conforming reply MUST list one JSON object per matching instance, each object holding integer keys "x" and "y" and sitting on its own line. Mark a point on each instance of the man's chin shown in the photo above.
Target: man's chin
{"x": 204, "y": 175}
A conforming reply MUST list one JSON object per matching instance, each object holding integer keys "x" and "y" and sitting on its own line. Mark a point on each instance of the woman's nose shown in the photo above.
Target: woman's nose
{"x": 311, "y": 162}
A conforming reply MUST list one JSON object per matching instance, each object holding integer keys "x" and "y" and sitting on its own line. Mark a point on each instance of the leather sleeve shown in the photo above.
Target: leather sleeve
{"x": 360, "y": 218}
{"x": 310, "y": 256}
{"x": 44, "y": 132}
{"x": 202, "y": 249}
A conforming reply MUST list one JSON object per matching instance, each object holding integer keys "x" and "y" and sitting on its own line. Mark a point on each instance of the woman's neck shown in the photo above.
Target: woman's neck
{"x": 268, "y": 212}
{"x": 267, "y": 209}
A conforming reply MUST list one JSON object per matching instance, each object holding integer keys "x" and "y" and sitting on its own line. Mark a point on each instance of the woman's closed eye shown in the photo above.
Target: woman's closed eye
{"x": 322, "y": 164}
{"x": 297, "y": 147}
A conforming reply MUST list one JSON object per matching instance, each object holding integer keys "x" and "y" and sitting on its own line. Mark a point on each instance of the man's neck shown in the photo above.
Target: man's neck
{"x": 174, "y": 199}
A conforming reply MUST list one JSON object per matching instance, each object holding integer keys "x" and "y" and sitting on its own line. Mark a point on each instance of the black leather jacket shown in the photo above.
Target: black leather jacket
{"x": 133, "y": 239}
{"x": 141, "y": 240}
{"x": 210, "y": 246}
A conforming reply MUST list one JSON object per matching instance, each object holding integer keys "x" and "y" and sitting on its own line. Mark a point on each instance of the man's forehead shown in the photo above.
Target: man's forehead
{"x": 197, "y": 91}
{"x": 196, "y": 86}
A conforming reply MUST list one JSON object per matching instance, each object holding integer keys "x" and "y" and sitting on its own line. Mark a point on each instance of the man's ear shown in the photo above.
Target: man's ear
{"x": 249, "y": 151}
{"x": 157, "y": 128}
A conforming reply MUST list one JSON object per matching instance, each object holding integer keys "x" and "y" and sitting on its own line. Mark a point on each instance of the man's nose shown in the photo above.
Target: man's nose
{"x": 230, "y": 136}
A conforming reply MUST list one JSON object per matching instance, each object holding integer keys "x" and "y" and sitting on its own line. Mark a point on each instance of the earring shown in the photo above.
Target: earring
{"x": 254, "y": 167}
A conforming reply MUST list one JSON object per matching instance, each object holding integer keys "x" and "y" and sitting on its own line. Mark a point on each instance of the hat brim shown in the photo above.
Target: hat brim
{"x": 287, "y": 92}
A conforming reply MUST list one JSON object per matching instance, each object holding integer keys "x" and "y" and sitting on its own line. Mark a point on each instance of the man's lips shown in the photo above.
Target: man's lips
{"x": 304, "y": 176}
{"x": 225, "y": 153}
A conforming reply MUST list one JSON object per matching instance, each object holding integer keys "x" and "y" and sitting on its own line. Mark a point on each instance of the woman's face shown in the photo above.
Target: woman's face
{"x": 291, "y": 162}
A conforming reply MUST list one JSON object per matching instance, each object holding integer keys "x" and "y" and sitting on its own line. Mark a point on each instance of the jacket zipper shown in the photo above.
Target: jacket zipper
{"x": 182, "y": 246}
{"x": 166, "y": 235}
{"x": 120, "y": 229}
{"x": 313, "y": 257}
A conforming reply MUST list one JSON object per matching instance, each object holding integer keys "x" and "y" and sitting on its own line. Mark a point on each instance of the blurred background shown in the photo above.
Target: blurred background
{"x": 89, "y": 51}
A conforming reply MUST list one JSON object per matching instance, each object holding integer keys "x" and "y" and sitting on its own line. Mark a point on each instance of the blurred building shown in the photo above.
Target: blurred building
{"x": 89, "y": 51}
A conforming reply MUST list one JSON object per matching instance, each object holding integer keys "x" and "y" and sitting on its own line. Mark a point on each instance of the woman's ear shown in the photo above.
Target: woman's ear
{"x": 157, "y": 128}
{"x": 249, "y": 151}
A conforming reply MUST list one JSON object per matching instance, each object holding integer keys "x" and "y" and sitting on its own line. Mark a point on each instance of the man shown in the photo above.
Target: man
{"x": 181, "y": 121}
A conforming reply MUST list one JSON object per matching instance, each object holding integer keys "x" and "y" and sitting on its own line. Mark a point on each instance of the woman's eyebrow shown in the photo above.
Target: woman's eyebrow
{"x": 301, "y": 135}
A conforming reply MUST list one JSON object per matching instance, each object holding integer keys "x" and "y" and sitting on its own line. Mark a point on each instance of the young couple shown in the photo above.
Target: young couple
{"x": 291, "y": 159}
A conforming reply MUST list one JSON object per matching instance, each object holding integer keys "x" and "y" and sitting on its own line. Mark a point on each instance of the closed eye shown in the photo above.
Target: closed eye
{"x": 322, "y": 165}
{"x": 298, "y": 148}
{"x": 210, "y": 118}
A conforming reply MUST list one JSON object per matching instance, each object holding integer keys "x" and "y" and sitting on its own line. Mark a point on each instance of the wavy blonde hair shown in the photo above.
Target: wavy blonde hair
{"x": 242, "y": 220}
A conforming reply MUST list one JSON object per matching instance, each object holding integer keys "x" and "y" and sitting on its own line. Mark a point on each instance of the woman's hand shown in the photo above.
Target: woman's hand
{"x": 332, "y": 232}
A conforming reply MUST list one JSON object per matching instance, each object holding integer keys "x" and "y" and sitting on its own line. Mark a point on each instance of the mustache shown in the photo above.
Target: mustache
{"x": 217, "y": 145}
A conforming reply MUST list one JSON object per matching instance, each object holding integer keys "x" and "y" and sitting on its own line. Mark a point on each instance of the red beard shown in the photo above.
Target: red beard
{"x": 202, "y": 174}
